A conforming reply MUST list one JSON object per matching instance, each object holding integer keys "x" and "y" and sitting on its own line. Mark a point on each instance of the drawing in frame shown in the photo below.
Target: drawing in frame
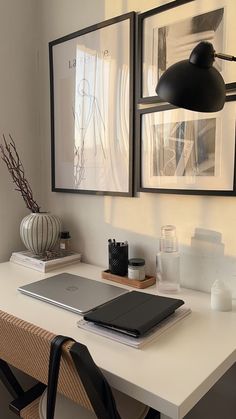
{"x": 91, "y": 82}
{"x": 187, "y": 152}
{"x": 168, "y": 34}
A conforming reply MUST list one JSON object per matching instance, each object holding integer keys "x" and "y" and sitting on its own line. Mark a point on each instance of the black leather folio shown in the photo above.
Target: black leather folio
{"x": 134, "y": 313}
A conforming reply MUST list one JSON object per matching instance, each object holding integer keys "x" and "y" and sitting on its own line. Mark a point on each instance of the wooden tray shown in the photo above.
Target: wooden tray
{"x": 147, "y": 282}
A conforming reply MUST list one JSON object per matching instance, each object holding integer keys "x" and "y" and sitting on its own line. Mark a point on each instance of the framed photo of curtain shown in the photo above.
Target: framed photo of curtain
{"x": 91, "y": 82}
{"x": 187, "y": 152}
{"x": 168, "y": 34}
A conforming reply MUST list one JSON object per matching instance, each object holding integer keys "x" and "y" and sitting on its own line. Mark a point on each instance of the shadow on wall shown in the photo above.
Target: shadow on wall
{"x": 139, "y": 222}
{"x": 204, "y": 261}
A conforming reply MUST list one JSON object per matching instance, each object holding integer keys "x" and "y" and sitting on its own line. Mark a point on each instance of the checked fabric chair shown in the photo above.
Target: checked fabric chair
{"x": 70, "y": 385}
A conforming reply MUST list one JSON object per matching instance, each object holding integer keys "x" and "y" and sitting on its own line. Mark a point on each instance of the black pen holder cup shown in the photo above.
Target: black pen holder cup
{"x": 118, "y": 258}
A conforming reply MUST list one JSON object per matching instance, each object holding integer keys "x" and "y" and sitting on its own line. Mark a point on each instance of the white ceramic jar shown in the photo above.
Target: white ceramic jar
{"x": 136, "y": 269}
{"x": 40, "y": 232}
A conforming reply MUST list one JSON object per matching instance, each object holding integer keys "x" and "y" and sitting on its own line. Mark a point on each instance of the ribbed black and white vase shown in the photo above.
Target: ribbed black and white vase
{"x": 40, "y": 232}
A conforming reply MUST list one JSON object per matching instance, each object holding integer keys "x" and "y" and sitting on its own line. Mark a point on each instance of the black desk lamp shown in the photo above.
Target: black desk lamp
{"x": 195, "y": 84}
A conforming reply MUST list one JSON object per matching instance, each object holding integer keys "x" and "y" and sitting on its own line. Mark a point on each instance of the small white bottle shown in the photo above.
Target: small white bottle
{"x": 168, "y": 261}
{"x": 221, "y": 296}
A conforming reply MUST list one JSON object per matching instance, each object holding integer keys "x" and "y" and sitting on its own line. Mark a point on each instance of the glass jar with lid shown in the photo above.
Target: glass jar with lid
{"x": 136, "y": 269}
{"x": 65, "y": 241}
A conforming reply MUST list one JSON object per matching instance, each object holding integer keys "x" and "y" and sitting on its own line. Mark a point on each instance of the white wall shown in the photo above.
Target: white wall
{"x": 94, "y": 219}
{"x": 91, "y": 219}
{"x": 18, "y": 111}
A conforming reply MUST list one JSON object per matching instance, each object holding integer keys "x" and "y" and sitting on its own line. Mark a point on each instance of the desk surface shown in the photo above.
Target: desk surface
{"x": 170, "y": 374}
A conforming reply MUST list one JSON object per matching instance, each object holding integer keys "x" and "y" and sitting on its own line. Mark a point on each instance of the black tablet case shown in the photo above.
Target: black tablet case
{"x": 134, "y": 313}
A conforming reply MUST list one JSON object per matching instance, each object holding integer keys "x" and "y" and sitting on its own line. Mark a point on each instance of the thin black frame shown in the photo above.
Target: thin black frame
{"x": 230, "y": 87}
{"x": 140, "y": 188}
{"x": 131, "y": 16}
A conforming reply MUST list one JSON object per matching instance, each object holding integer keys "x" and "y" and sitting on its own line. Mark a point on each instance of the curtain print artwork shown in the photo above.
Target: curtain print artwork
{"x": 92, "y": 109}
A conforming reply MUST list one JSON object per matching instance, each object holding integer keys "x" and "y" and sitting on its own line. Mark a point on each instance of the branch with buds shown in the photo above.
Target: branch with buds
{"x": 12, "y": 160}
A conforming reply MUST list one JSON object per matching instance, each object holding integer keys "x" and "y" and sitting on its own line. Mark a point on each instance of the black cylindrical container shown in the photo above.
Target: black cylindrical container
{"x": 118, "y": 258}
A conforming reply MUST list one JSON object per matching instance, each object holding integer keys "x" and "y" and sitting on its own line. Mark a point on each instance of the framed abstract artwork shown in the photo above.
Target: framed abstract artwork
{"x": 168, "y": 34}
{"x": 91, "y": 80}
{"x": 187, "y": 152}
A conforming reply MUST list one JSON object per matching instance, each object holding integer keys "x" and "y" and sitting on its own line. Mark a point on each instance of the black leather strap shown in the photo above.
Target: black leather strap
{"x": 95, "y": 384}
{"x": 53, "y": 373}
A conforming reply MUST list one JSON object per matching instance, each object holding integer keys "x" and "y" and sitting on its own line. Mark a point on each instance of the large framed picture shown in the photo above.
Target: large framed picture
{"x": 91, "y": 80}
{"x": 187, "y": 152}
{"x": 168, "y": 34}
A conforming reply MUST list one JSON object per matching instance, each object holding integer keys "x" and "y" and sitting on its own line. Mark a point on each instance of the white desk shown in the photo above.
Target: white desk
{"x": 170, "y": 374}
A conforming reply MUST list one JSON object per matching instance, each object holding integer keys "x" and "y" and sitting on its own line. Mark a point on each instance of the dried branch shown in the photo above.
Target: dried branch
{"x": 16, "y": 169}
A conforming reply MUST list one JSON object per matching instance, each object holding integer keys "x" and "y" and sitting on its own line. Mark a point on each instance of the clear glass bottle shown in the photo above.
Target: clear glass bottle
{"x": 168, "y": 260}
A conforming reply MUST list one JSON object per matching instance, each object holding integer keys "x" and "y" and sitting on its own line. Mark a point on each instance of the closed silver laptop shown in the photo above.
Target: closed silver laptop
{"x": 72, "y": 292}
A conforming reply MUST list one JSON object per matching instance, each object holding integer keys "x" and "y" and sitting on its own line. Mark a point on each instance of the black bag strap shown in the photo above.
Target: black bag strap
{"x": 94, "y": 382}
{"x": 53, "y": 373}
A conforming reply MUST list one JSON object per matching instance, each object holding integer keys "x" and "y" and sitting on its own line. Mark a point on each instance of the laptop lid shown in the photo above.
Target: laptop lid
{"x": 72, "y": 292}
{"x": 134, "y": 313}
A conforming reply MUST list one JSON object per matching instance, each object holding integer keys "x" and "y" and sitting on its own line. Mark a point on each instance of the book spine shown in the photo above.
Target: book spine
{"x": 42, "y": 268}
{"x": 27, "y": 264}
{"x": 42, "y": 263}
{"x": 60, "y": 265}
{"x": 21, "y": 256}
{"x": 45, "y": 263}
{"x": 28, "y": 261}
{"x": 65, "y": 259}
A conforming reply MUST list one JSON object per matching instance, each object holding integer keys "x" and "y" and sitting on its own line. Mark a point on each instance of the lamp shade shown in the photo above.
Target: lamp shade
{"x": 194, "y": 84}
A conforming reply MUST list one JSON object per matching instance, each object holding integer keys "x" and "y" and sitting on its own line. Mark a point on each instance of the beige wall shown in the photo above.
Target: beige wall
{"x": 19, "y": 117}
{"x": 18, "y": 110}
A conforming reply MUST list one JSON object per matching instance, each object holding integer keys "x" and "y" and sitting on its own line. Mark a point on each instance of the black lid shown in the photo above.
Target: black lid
{"x": 65, "y": 235}
{"x": 136, "y": 262}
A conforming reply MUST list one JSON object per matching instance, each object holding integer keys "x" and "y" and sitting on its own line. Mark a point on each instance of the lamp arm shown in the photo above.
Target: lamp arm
{"x": 225, "y": 57}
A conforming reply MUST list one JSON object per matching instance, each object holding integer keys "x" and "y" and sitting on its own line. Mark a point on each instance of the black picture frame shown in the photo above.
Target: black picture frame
{"x": 142, "y": 82}
{"x": 111, "y": 78}
{"x": 224, "y": 145}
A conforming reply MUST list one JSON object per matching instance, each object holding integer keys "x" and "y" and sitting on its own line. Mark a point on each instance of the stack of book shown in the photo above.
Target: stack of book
{"x": 44, "y": 264}
{"x": 137, "y": 343}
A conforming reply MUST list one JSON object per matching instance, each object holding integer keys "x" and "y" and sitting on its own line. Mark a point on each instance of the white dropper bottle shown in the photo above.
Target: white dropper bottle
{"x": 221, "y": 296}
